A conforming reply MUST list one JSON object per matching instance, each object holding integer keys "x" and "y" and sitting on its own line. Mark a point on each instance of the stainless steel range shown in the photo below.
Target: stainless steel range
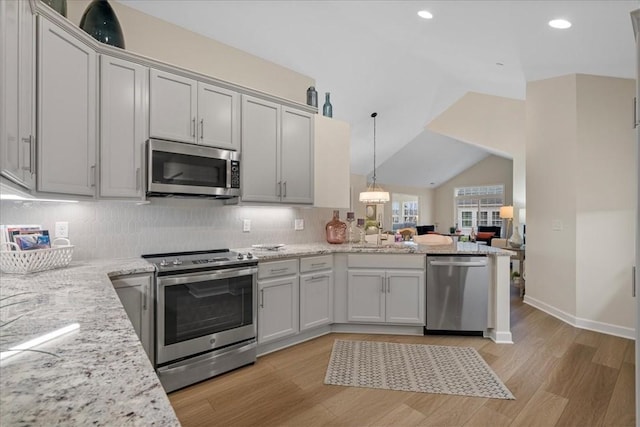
{"x": 206, "y": 314}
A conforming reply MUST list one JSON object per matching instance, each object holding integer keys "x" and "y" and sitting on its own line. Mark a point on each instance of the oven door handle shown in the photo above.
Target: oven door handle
{"x": 207, "y": 275}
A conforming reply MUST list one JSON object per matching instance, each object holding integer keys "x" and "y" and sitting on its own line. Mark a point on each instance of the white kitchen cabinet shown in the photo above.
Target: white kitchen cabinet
{"x": 278, "y": 304}
{"x": 277, "y": 153}
{"x": 67, "y": 111}
{"x": 17, "y": 92}
{"x": 332, "y": 168}
{"x": 316, "y": 291}
{"x": 186, "y": 110}
{"x": 123, "y": 129}
{"x": 135, "y": 293}
{"x": 386, "y": 289}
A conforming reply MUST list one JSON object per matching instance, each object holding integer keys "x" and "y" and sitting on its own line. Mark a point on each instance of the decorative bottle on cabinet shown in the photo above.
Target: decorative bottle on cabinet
{"x": 100, "y": 22}
{"x": 327, "y": 108}
{"x": 336, "y": 229}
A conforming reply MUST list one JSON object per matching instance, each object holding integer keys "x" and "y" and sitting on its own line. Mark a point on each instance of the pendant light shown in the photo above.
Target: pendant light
{"x": 374, "y": 194}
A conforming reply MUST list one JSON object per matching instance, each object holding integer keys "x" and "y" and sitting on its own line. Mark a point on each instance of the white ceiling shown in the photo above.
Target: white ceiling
{"x": 380, "y": 56}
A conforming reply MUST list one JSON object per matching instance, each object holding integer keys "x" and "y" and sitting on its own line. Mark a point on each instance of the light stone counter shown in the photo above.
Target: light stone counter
{"x": 459, "y": 248}
{"x": 97, "y": 375}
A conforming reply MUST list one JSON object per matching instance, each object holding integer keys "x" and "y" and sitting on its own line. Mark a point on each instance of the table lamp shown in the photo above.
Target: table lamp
{"x": 506, "y": 212}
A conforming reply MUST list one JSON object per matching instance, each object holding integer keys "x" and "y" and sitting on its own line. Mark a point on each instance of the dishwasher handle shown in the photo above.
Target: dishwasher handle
{"x": 458, "y": 263}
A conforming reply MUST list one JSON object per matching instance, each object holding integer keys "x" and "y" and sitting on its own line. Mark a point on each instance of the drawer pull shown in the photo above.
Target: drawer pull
{"x": 278, "y": 270}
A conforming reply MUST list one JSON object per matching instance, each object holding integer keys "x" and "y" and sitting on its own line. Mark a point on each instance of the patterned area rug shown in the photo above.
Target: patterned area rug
{"x": 413, "y": 367}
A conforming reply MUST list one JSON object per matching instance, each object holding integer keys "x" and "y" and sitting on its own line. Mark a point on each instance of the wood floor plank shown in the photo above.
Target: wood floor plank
{"x": 611, "y": 351}
{"x": 455, "y": 411}
{"x": 589, "y": 399}
{"x": 568, "y": 373}
{"x": 402, "y": 415}
{"x": 487, "y": 417}
{"x": 543, "y": 410}
{"x": 622, "y": 403}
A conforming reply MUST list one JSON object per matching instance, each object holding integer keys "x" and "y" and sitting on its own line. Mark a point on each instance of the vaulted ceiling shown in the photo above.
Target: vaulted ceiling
{"x": 380, "y": 56}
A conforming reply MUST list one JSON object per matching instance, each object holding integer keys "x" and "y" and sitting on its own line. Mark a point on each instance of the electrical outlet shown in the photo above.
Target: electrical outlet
{"x": 298, "y": 224}
{"x": 62, "y": 229}
{"x": 246, "y": 225}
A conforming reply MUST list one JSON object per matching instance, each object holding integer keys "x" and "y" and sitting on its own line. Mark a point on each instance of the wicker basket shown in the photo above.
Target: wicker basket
{"x": 22, "y": 262}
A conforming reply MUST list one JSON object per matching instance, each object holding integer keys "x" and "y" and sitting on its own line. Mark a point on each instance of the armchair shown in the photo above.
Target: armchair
{"x": 483, "y": 233}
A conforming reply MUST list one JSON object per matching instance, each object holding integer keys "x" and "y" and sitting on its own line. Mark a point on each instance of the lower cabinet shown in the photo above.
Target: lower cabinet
{"x": 386, "y": 295}
{"x": 278, "y": 306}
{"x": 316, "y": 291}
{"x": 135, "y": 294}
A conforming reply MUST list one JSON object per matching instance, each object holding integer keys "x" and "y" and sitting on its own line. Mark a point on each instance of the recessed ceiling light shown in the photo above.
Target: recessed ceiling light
{"x": 561, "y": 24}
{"x": 425, "y": 14}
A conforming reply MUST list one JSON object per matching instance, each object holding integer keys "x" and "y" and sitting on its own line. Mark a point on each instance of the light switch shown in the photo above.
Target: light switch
{"x": 62, "y": 229}
{"x": 299, "y": 224}
{"x": 246, "y": 225}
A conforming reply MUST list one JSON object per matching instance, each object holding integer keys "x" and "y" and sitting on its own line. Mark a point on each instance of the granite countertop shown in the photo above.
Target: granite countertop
{"x": 97, "y": 375}
{"x": 289, "y": 251}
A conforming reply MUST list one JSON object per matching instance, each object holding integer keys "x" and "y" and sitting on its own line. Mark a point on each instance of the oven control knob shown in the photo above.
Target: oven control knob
{"x": 240, "y": 256}
{"x": 249, "y": 255}
{"x": 164, "y": 263}
{"x": 177, "y": 261}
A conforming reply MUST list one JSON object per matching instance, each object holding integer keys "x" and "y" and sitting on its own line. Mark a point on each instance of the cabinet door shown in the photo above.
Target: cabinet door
{"x": 331, "y": 163}
{"x": 278, "y": 309}
{"x": 296, "y": 169}
{"x": 316, "y": 299}
{"x": 17, "y": 90}
{"x": 122, "y": 126}
{"x": 260, "y": 150}
{"x": 135, "y": 294}
{"x": 67, "y": 107}
{"x": 172, "y": 109}
{"x": 366, "y": 296}
{"x": 218, "y": 117}
{"x": 405, "y": 297}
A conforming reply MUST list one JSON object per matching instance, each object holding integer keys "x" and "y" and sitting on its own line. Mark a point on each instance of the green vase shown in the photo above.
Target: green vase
{"x": 100, "y": 22}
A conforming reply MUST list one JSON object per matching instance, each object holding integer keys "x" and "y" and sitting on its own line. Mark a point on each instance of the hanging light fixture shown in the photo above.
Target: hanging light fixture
{"x": 374, "y": 194}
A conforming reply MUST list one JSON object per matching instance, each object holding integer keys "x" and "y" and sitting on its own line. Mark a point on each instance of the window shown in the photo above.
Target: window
{"x": 404, "y": 211}
{"x": 478, "y": 205}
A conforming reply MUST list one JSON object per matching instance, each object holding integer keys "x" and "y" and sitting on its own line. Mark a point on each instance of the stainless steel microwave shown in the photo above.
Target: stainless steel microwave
{"x": 179, "y": 169}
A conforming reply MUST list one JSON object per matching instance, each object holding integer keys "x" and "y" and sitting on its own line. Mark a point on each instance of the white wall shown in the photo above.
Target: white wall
{"x": 493, "y": 170}
{"x": 158, "y": 39}
{"x": 494, "y": 123}
{"x": 581, "y": 200}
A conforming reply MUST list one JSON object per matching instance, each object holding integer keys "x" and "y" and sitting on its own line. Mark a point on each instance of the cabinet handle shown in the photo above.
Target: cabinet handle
{"x": 635, "y": 112}
{"x": 32, "y": 142}
{"x": 318, "y": 264}
{"x": 285, "y": 189}
{"x": 278, "y": 270}
{"x": 137, "y": 178}
{"x": 633, "y": 280}
{"x": 29, "y": 141}
{"x": 193, "y": 127}
{"x": 279, "y": 188}
{"x": 201, "y": 128}
{"x": 93, "y": 175}
{"x": 144, "y": 297}
{"x": 316, "y": 278}
{"x": 261, "y": 298}
{"x": 382, "y": 280}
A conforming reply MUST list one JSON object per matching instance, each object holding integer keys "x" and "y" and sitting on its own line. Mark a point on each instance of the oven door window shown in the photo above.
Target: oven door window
{"x": 202, "y": 308}
{"x": 184, "y": 169}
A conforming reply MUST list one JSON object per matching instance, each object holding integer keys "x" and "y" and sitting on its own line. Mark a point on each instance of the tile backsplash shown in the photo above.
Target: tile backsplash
{"x": 107, "y": 229}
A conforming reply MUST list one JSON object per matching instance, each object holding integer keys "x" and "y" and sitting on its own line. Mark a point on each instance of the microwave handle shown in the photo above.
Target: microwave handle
{"x": 228, "y": 173}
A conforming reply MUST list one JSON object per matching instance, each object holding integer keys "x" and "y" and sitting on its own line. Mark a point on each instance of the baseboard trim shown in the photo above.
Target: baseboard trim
{"x": 591, "y": 325}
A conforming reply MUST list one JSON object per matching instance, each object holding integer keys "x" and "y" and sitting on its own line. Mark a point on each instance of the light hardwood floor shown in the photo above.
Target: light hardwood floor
{"x": 560, "y": 376}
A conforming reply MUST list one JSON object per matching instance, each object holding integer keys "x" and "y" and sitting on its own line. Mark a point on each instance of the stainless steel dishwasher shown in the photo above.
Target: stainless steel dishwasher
{"x": 457, "y": 294}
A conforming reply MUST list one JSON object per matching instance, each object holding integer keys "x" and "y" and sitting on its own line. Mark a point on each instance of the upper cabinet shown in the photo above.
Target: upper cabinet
{"x": 183, "y": 109}
{"x": 277, "y": 153}
{"x": 17, "y": 92}
{"x": 123, "y": 127}
{"x": 67, "y": 110}
{"x": 332, "y": 163}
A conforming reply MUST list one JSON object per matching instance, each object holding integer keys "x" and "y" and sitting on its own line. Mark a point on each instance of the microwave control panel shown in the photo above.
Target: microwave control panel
{"x": 235, "y": 174}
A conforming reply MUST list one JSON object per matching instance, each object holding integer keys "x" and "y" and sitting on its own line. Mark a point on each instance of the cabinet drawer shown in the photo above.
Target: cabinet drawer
{"x": 277, "y": 268}
{"x": 386, "y": 261}
{"x": 316, "y": 263}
